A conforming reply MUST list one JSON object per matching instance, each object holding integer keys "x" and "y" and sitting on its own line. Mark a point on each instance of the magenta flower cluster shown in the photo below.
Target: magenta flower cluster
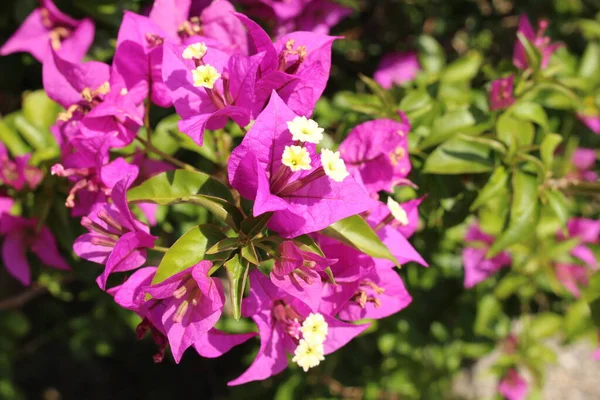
{"x": 217, "y": 67}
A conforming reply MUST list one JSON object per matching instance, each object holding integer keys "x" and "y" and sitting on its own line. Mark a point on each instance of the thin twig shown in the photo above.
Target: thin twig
{"x": 165, "y": 156}
{"x": 25, "y": 296}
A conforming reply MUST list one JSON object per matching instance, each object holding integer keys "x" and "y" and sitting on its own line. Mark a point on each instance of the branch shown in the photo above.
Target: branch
{"x": 20, "y": 299}
{"x": 30, "y": 293}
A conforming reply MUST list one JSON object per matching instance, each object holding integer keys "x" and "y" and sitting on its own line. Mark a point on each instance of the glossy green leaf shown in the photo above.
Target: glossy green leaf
{"x": 252, "y": 226}
{"x": 416, "y": 103}
{"x": 249, "y": 254}
{"x": 12, "y": 141}
{"x": 544, "y": 326}
{"x": 386, "y": 98}
{"x": 356, "y": 232}
{"x": 489, "y": 311}
{"x": 514, "y": 132}
{"x": 558, "y": 203}
{"x": 226, "y": 244}
{"x": 463, "y": 69}
{"x": 183, "y": 186}
{"x": 457, "y": 156}
{"x": 533, "y": 112}
{"x": 432, "y": 56}
{"x": 494, "y": 187}
{"x": 305, "y": 242}
{"x": 446, "y": 126}
{"x": 524, "y": 213}
{"x": 41, "y": 112}
{"x": 188, "y": 250}
{"x": 35, "y": 137}
{"x": 237, "y": 275}
{"x": 509, "y": 286}
{"x": 590, "y": 62}
{"x": 548, "y": 146}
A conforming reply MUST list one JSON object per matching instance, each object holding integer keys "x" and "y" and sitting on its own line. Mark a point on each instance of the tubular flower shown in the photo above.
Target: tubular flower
{"x": 296, "y": 158}
{"x": 334, "y": 166}
{"x": 397, "y": 211}
{"x": 195, "y": 51}
{"x": 305, "y": 130}
{"x": 308, "y": 354}
{"x": 205, "y": 76}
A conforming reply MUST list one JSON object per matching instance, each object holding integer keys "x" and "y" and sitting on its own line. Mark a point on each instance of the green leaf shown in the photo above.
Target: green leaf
{"x": 489, "y": 311}
{"x": 494, "y": 187}
{"x": 458, "y": 156}
{"x": 227, "y": 244}
{"x": 386, "y": 98}
{"x": 544, "y": 325}
{"x": 463, "y": 69}
{"x": 514, "y": 132}
{"x": 558, "y": 202}
{"x": 35, "y": 137}
{"x": 416, "y": 103}
{"x": 249, "y": 253}
{"x": 252, "y": 226}
{"x": 509, "y": 285}
{"x": 12, "y": 140}
{"x": 237, "y": 275}
{"x": 355, "y": 232}
{"x": 524, "y": 213}
{"x": 590, "y": 62}
{"x": 446, "y": 126}
{"x": 188, "y": 250}
{"x": 183, "y": 186}
{"x": 432, "y": 56}
{"x": 548, "y": 146}
{"x": 305, "y": 242}
{"x": 577, "y": 319}
{"x": 41, "y": 112}
{"x": 592, "y": 292}
{"x": 532, "y": 112}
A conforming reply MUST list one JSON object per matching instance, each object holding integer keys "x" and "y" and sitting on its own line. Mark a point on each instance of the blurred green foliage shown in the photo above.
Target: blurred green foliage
{"x": 70, "y": 337}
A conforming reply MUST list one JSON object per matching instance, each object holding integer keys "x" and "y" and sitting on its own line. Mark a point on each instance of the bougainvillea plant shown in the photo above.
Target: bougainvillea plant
{"x": 306, "y": 232}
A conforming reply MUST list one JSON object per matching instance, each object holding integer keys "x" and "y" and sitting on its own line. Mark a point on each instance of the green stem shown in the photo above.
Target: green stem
{"x": 160, "y": 249}
{"x": 165, "y": 156}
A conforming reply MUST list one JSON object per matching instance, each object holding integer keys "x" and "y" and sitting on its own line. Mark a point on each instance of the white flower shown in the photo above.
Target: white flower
{"x": 308, "y": 355}
{"x": 195, "y": 51}
{"x": 296, "y": 157}
{"x": 397, "y": 211}
{"x": 305, "y": 130}
{"x": 205, "y": 76}
{"x": 334, "y": 166}
{"x": 314, "y": 329}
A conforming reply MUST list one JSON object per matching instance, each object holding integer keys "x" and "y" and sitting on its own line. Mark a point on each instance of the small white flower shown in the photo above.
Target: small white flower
{"x": 195, "y": 51}
{"x": 305, "y": 130}
{"x": 397, "y": 211}
{"x": 314, "y": 328}
{"x": 296, "y": 158}
{"x": 205, "y": 76}
{"x": 308, "y": 355}
{"x": 334, "y": 166}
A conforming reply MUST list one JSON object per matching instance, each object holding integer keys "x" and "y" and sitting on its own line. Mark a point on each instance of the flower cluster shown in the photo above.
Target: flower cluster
{"x": 217, "y": 67}
{"x": 306, "y": 235}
